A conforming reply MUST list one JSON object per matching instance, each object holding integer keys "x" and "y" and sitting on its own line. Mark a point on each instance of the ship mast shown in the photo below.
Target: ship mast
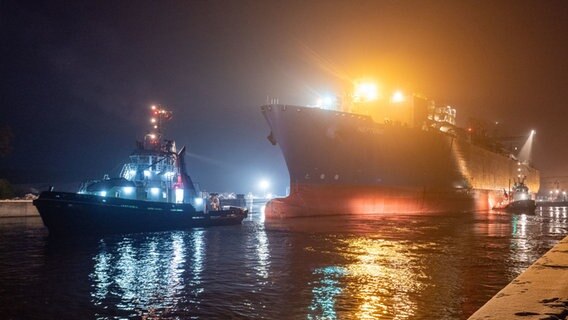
{"x": 159, "y": 116}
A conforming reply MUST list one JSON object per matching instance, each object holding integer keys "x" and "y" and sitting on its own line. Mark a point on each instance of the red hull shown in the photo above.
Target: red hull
{"x": 317, "y": 200}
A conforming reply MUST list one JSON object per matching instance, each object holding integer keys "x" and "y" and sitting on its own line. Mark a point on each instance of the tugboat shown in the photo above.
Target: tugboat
{"x": 518, "y": 200}
{"x": 153, "y": 192}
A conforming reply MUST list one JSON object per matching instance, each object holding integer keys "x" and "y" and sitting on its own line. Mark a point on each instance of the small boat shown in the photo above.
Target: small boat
{"x": 153, "y": 192}
{"x": 518, "y": 199}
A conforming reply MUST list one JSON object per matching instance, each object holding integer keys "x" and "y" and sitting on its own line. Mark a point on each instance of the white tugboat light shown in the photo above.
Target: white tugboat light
{"x": 128, "y": 190}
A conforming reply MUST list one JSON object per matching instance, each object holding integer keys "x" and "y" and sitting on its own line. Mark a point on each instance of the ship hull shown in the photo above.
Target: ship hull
{"x": 320, "y": 200}
{"x": 78, "y": 214}
{"x": 344, "y": 163}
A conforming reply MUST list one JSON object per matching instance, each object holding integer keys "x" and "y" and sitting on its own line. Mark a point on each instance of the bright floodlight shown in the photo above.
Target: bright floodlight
{"x": 397, "y": 97}
{"x": 325, "y": 102}
{"x": 526, "y": 150}
{"x": 366, "y": 91}
{"x": 264, "y": 184}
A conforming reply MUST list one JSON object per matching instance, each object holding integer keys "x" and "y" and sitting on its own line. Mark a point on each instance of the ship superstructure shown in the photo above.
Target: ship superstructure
{"x": 156, "y": 171}
{"x": 394, "y": 155}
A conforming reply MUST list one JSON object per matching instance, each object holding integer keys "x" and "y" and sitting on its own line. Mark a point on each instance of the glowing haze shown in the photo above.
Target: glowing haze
{"x": 78, "y": 77}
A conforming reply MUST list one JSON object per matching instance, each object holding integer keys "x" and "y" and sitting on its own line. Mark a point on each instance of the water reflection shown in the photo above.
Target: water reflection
{"x": 325, "y": 291}
{"x": 396, "y": 267}
{"x": 381, "y": 276}
{"x": 140, "y": 275}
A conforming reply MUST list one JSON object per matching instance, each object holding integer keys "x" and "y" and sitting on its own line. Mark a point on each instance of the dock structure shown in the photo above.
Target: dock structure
{"x": 541, "y": 292}
{"x": 17, "y": 209}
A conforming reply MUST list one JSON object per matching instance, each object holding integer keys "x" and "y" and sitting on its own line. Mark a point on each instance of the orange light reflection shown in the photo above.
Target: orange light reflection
{"x": 381, "y": 278}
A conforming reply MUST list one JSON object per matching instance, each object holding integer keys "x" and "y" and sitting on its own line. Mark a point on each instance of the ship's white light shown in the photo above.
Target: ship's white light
{"x": 146, "y": 173}
{"x": 198, "y": 201}
{"x": 365, "y": 91}
{"x": 153, "y": 120}
{"x": 128, "y": 190}
{"x": 103, "y": 193}
{"x": 179, "y": 195}
{"x": 397, "y": 97}
{"x": 155, "y": 191}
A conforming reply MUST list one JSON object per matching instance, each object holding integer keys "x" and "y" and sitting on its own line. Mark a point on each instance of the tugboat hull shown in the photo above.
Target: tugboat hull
{"x": 76, "y": 214}
{"x": 519, "y": 206}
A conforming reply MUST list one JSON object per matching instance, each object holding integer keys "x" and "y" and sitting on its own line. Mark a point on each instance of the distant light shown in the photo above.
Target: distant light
{"x": 153, "y": 120}
{"x": 153, "y": 107}
{"x": 397, "y": 97}
{"x": 103, "y": 193}
{"x": 533, "y": 132}
{"x": 325, "y": 102}
{"x": 146, "y": 173}
{"x": 366, "y": 91}
{"x": 152, "y": 136}
{"x": 198, "y": 201}
{"x": 155, "y": 191}
{"x": 264, "y": 184}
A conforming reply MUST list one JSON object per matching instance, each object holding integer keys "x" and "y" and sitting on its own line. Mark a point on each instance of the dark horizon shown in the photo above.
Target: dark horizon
{"x": 78, "y": 78}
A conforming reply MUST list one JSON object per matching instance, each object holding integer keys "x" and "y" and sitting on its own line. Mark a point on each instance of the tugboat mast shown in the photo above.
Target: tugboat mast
{"x": 159, "y": 115}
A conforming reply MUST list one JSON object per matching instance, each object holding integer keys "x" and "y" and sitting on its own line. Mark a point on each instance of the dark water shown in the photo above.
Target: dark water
{"x": 405, "y": 267}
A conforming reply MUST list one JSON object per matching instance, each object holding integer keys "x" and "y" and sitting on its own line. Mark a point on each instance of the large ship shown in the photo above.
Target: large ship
{"x": 397, "y": 155}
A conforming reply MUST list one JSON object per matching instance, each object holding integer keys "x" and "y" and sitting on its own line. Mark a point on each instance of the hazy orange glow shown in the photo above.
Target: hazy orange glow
{"x": 365, "y": 91}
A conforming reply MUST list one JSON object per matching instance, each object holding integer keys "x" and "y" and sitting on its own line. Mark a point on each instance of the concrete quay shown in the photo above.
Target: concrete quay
{"x": 541, "y": 292}
{"x": 17, "y": 208}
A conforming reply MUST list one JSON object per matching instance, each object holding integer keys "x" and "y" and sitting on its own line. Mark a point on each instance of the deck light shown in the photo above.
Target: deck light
{"x": 128, "y": 190}
{"x": 366, "y": 91}
{"x": 397, "y": 97}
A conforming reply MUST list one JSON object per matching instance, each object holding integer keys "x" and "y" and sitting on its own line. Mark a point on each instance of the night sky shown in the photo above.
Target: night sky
{"x": 78, "y": 77}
